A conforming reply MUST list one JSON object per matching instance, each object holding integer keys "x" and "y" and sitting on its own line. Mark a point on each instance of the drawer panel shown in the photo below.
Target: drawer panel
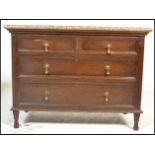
{"x": 103, "y": 44}
{"x": 49, "y": 66}
{"x": 63, "y": 95}
{"x": 45, "y": 43}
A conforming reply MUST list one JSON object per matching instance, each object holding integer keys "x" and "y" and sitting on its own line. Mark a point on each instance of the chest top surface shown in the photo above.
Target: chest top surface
{"x": 50, "y": 28}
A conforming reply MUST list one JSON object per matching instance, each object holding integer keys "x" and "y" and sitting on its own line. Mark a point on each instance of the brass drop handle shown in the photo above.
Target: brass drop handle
{"x": 107, "y": 70}
{"x": 108, "y": 49}
{"x": 46, "y": 68}
{"x": 46, "y": 95}
{"x": 106, "y": 96}
{"x": 46, "y": 46}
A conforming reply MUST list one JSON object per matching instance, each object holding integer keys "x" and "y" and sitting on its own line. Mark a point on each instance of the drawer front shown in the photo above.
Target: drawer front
{"x": 107, "y": 44}
{"x": 45, "y": 43}
{"x": 63, "y": 95}
{"x": 49, "y": 66}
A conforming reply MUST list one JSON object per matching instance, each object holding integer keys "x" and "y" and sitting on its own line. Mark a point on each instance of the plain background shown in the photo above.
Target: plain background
{"x": 148, "y": 74}
{"x": 92, "y": 145}
{"x": 58, "y": 9}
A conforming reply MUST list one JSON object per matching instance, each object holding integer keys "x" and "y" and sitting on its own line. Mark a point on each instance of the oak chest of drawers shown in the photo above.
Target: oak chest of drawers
{"x": 91, "y": 69}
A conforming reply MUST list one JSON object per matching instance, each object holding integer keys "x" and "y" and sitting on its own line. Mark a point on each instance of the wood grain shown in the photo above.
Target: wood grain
{"x": 76, "y": 79}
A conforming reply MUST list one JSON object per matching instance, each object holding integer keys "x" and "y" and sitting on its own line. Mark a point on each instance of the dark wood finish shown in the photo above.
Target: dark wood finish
{"x": 77, "y": 95}
{"x": 16, "y": 118}
{"x": 136, "y": 120}
{"x": 55, "y": 43}
{"x": 81, "y": 75}
{"x": 35, "y": 66}
{"x": 96, "y": 44}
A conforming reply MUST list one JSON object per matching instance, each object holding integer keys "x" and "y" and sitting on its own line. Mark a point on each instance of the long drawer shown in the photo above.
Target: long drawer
{"x": 77, "y": 95}
{"x": 50, "y": 66}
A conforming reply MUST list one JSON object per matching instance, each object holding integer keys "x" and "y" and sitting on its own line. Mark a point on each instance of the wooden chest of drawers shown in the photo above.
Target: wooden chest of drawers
{"x": 58, "y": 68}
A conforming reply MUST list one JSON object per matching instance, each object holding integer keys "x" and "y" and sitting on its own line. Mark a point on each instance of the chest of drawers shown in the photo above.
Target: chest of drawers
{"x": 89, "y": 69}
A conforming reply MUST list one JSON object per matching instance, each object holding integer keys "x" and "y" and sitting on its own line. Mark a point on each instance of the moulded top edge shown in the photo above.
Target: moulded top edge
{"x": 85, "y": 28}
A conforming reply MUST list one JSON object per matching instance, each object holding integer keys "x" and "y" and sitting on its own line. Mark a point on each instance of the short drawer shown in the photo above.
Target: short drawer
{"x": 45, "y": 44}
{"x": 50, "y": 66}
{"x": 81, "y": 95}
{"x": 107, "y": 45}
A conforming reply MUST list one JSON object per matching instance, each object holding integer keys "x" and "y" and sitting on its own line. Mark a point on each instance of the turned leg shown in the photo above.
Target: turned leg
{"x": 136, "y": 121}
{"x": 16, "y": 117}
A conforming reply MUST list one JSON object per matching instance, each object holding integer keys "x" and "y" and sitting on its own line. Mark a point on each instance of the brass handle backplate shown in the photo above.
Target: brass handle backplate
{"x": 46, "y": 47}
{"x": 46, "y": 69}
{"x": 46, "y": 95}
{"x": 109, "y": 48}
{"x": 107, "y": 70}
{"x": 106, "y": 97}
